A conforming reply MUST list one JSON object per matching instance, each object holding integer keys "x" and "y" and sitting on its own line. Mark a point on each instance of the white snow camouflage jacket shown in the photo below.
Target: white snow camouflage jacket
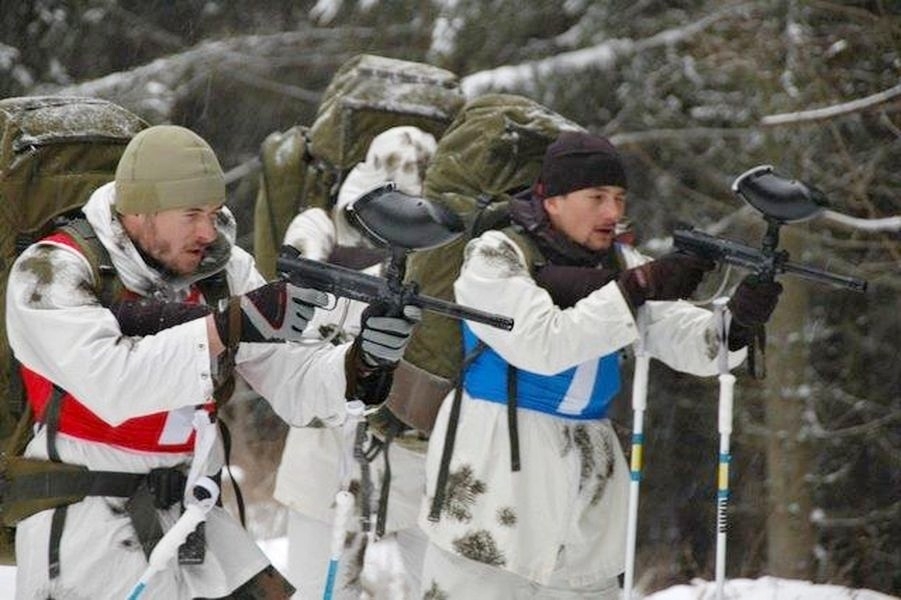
{"x": 565, "y": 511}
{"x": 58, "y": 329}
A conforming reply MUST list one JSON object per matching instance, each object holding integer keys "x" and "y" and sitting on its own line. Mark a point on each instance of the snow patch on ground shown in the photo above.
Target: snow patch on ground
{"x": 7, "y": 583}
{"x": 765, "y": 588}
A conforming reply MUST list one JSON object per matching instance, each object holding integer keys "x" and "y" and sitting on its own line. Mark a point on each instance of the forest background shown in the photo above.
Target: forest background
{"x": 694, "y": 92}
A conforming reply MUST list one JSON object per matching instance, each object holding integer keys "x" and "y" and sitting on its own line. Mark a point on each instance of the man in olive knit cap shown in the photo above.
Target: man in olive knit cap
{"x": 130, "y": 327}
{"x": 532, "y": 502}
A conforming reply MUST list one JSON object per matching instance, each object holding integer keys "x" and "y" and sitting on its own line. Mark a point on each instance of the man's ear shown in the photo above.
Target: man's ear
{"x": 552, "y": 205}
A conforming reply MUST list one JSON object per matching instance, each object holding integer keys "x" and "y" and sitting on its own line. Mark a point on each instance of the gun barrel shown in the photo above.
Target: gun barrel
{"x": 854, "y": 284}
{"x": 457, "y": 311}
{"x": 363, "y": 287}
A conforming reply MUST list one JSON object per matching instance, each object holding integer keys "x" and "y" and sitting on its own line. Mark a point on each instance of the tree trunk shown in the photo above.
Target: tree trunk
{"x": 790, "y": 533}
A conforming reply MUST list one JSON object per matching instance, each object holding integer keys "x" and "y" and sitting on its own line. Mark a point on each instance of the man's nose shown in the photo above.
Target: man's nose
{"x": 206, "y": 231}
{"x": 610, "y": 210}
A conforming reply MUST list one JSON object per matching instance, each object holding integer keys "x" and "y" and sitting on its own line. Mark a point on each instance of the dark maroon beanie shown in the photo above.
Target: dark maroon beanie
{"x": 578, "y": 160}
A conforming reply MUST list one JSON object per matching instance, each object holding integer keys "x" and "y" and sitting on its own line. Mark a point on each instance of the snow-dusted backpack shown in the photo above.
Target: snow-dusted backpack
{"x": 304, "y": 167}
{"x": 492, "y": 150}
{"x": 54, "y": 152}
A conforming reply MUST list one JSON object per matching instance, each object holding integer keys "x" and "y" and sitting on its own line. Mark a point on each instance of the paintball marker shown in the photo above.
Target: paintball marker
{"x": 779, "y": 200}
{"x": 400, "y": 223}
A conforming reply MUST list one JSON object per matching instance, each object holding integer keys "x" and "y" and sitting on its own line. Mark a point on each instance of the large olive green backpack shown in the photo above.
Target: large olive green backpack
{"x": 493, "y": 149}
{"x": 54, "y": 152}
{"x": 303, "y": 167}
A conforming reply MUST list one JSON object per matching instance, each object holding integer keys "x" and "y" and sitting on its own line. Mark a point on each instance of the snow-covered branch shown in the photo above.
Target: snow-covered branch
{"x": 604, "y": 56}
{"x": 870, "y": 225}
{"x": 152, "y": 90}
{"x": 836, "y": 110}
{"x": 874, "y": 516}
{"x": 245, "y": 169}
{"x": 856, "y": 430}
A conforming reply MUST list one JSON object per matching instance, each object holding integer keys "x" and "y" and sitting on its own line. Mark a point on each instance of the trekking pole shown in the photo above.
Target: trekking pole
{"x": 639, "y": 403}
{"x": 727, "y": 387}
{"x": 205, "y": 494}
{"x": 344, "y": 500}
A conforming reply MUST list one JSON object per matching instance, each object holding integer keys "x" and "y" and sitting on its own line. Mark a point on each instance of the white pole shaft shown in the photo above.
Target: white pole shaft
{"x": 344, "y": 504}
{"x": 727, "y": 386}
{"x": 639, "y": 403}
{"x": 344, "y": 500}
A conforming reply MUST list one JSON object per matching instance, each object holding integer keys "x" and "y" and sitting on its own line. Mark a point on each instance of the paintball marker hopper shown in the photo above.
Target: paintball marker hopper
{"x": 391, "y": 218}
{"x": 778, "y": 198}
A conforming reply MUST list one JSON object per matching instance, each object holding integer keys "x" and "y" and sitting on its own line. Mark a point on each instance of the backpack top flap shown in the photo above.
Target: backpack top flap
{"x": 494, "y": 147}
{"x": 55, "y": 151}
{"x": 369, "y": 94}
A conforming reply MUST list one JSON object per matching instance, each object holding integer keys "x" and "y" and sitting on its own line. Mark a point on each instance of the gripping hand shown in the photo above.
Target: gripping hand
{"x": 670, "y": 277}
{"x": 274, "y": 312}
{"x": 754, "y": 301}
{"x": 383, "y": 339}
{"x": 376, "y": 351}
{"x": 751, "y": 306}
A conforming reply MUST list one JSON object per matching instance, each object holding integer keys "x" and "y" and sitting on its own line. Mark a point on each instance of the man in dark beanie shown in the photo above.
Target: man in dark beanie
{"x": 535, "y": 504}
{"x": 131, "y": 326}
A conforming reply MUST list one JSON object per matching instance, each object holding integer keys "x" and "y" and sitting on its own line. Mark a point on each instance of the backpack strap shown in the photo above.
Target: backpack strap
{"x": 108, "y": 285}
{"x": 216, "y": 291}
{"x": 451, "y": 435}
{"x": 531, "y": 251}
{"x": 534, "y": 258}
{"x": 512, "y": 422}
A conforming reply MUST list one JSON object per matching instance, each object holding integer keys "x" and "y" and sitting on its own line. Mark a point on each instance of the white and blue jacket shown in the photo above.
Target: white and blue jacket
{"x": 581, "y": 392}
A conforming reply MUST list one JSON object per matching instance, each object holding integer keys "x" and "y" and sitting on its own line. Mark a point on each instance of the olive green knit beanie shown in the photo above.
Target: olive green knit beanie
{"x": 166, "y": 167}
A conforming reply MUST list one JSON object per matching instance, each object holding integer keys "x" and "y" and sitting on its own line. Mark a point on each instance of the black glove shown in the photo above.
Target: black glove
{"x": 370, "y": 362}
{"x": 670, "y": 277}
{"x": 147, "y": 316}
{"x": 567, "y": 285}
{"x": 751, "y": 306}
{"x": 274, "y": 312}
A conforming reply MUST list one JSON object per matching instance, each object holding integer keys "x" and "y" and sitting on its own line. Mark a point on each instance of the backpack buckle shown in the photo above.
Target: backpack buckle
{"x": 167, "y": 486}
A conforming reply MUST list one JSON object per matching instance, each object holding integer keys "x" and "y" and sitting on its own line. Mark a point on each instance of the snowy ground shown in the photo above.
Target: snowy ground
{"x": 765, "y": 588}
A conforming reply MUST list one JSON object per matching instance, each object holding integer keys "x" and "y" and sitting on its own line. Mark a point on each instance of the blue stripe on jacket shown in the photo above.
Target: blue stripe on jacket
{"x": 581, "y": 392}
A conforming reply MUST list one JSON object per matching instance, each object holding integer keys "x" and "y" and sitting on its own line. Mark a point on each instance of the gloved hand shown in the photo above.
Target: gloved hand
{"x": 383, "y": 339}
{"x": 370, "y": 362}
{"x": 751, "y": 306}
{"x": 147, "y": 316}
{"x": 670, "y": 277}
{"x": 754, "y": 301}
{"x": 275, "y": 312}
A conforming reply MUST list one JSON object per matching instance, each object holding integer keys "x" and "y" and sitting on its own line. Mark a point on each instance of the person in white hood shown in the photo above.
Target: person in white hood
{"x": 399, "y": 154}
{"x": 125, "y": 377}
{"x": 529, "y": 499}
